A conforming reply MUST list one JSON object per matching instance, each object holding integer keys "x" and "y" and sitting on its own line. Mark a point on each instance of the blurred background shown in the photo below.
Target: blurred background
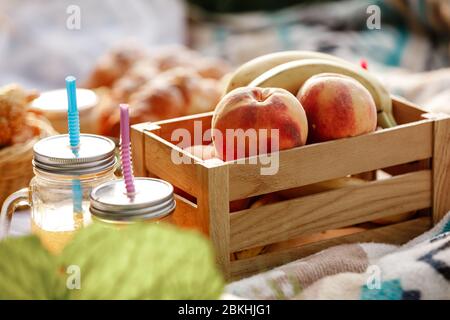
{"x": 167, "y": 57}
{"x": 40, "y": 43}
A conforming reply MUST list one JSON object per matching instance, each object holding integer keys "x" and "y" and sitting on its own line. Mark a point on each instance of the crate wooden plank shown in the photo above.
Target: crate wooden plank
{"x": 441, "y": 169}
{"x": 158, "y": 161}
{"x": 137, "y": 149}
{"x": 334, "y": 159}
{"x": 167, "y": 127}
{"x": 330, "y": 210}
{"x": 405, "y": 111}
{"x": 394, "y": 234}
{"x": 213, "y": 203}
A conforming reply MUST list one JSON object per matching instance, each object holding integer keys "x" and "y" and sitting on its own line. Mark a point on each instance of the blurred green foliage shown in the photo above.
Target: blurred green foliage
{"x": 141, "y": 261}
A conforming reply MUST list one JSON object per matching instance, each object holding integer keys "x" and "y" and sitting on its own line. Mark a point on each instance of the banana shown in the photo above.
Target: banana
{"x": 250, "y": 70}
{"x": 262, "y": 201}
{"x": 292, "y": 75}
{"x": 396, "y": 218}
{"x": 310, "y": 238}
{"x": 320, "y": 187}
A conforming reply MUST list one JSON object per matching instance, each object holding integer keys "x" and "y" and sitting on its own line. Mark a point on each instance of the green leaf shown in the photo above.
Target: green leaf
{"x": 143, "y": 261}
{"x": 28, "y": 271}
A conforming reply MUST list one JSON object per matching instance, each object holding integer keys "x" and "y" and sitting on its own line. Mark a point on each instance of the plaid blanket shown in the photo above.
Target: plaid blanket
{"x": 417, "y": 270}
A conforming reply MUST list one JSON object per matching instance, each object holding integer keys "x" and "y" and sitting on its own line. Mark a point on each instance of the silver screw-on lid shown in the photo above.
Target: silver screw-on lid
{"x": 54, "y": 155}
{"x": 153, "y": 199}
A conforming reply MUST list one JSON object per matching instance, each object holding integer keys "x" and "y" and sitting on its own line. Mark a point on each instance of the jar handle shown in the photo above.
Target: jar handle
{"x": 9, "y": 207}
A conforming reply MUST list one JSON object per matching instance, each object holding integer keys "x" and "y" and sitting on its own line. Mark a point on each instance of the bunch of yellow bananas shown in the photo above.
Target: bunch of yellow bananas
{"x": 290, "y": 69}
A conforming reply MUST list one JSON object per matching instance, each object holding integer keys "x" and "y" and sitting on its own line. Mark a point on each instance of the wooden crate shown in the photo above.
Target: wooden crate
{"x": 416, "y": 152}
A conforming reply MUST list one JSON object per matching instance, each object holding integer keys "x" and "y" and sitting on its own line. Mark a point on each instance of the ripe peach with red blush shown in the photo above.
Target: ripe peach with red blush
{"x": 204, "y": 152}
{"x": 250, "y": 121}
{"x": 337, "y": 107}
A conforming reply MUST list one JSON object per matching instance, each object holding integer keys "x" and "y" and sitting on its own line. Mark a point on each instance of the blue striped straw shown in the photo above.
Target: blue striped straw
{"x": 73, "y": 124}
{"x": 77, "y": 196}
{"x": 73, "y": 120}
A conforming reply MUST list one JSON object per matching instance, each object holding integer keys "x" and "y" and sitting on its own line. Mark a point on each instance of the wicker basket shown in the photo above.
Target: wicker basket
{"x": 16, "y": 169}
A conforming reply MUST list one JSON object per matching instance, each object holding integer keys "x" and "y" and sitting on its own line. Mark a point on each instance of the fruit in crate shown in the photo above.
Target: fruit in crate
{"x": 204, "y": 152}
{"x": 266, "y": 199}
{"x": 320, "y": 187}
{"x": 292, "y": 75}
{"x": 241, "y": 204}
{"x": 337, "y": 107}
{"x": 395, "y": 218}
{"x": 244, "y": 118}
{"x": 312, "y": 238}
{"x": 262, "y": 201}
{"x": 252, "y": 69}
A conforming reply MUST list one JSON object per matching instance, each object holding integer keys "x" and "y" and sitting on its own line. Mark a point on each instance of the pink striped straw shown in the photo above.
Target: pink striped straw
{"x": 125, "y": 154}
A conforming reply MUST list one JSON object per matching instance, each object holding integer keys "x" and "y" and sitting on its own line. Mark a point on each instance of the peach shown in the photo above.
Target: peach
{"x": 238, "y": 205}
{"x": 310, "y": 238}
{"x": 337, "y": 107}
{"x": 395, "y": 218}
{"x": 204, "y": 152}
{"x": 261, "y": 201}
{"x": 266, "y": 199}
{"x": 244, "y": 119}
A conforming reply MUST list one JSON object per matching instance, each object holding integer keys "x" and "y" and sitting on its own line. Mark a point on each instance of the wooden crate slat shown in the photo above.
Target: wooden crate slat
{"x": 394, "y": 234}
{"x": 158, "y": 161}
{"x": 330, "y": 210}
{"x": 166, "y": 127}
{"x": 335, "y": 159}
{"x": 137, "y": 149}
{"x": 441, "y": 169}
{"x": 213, "y": 203}
{"x": 406, "y": 112}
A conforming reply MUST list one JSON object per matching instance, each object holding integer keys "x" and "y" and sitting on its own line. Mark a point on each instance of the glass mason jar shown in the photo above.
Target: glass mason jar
{"x": 58, "y": 194}
{"x": 152, "y": 201}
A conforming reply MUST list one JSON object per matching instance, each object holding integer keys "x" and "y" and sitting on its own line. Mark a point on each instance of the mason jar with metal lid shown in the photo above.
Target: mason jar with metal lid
{"x": 153, "y": 201}
{"x": 58, "y": 194}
